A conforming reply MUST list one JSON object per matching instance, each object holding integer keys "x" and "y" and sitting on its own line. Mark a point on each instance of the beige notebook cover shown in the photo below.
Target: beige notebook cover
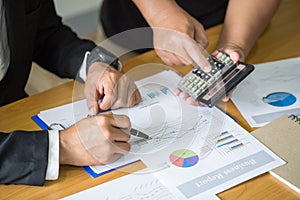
{"x": 282, "y": 136}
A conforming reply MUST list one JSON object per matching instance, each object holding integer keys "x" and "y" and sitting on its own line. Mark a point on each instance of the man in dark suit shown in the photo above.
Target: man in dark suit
{"x": 31, "y": 31}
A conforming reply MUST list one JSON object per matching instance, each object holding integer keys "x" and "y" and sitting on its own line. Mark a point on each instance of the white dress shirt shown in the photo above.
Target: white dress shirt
{"x": 4, "y": 48}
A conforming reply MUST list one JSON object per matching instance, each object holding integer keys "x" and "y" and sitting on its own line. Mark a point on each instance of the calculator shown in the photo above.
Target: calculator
{"x": 209, "y": 88}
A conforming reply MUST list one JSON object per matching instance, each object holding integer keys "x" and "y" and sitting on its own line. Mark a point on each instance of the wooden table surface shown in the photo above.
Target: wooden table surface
{"x": 281, "y": 40}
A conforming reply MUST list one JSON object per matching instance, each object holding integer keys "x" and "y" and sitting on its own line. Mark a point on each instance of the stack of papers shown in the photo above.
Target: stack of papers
{"x": 195, "y": 152}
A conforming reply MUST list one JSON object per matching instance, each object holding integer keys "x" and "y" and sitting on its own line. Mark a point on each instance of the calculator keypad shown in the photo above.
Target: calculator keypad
{"x": 197, "y": 82}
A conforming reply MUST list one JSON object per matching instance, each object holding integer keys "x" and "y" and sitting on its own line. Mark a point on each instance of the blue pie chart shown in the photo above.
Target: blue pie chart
{"x": 280, "y": 99}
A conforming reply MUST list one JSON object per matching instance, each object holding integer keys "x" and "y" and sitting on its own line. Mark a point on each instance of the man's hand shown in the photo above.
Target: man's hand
{"x": 235, "y": 52}
{"x": 178, "y": 38}
{"x": 95, "y": 140}
{"x": 107, "y": 88}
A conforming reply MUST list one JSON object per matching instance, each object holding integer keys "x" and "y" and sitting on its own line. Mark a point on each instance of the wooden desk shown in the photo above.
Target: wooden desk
{"x": 280, "y": 40}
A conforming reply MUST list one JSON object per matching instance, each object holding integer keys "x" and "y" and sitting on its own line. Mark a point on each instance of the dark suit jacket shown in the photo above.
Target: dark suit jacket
{"x": 35, "y": 33}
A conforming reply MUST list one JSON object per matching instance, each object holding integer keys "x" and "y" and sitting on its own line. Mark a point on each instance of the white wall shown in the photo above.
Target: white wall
{"x": 81, "y": 15}
{"x": 72, "y": 8}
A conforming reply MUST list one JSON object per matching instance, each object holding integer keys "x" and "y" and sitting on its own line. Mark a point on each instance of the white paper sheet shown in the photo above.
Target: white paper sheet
{"x": 231, "y": 156}
{"x": 269, "y": 92}
{"x": 129, "y": 187}
{"x": 195, "y": 151}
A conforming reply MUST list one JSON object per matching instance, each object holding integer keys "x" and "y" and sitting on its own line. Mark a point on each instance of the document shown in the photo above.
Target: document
{"x": 130, "y": 187}
{"x": 220, "y": 155}
{"x": 271, "y": 91}
{"x": 194, "y": 151}
{"x": 64, "y": 116}
{"x": 205, "y": 152}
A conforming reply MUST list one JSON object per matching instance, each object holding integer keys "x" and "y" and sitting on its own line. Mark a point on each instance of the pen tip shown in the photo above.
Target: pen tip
{"x": 149, "y": 138}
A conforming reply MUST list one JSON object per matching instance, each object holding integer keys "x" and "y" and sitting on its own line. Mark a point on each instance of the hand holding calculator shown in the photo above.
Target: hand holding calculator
{"x": 209, "y": 88}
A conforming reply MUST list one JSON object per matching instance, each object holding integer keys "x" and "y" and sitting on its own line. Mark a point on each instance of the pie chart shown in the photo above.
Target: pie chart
{"x": 280, "y": 99}
{"x": 184, "y": 158}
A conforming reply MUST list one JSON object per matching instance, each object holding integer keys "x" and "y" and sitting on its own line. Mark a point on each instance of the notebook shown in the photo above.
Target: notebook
{"x": 282, "y": 136}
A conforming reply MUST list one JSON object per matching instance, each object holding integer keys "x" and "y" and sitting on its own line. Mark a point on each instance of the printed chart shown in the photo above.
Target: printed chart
{"x": 153, "y": 91}
{"x": 184, "y": 158}
{"x": 280, "y": 99}
{"x": 229, "y": 141}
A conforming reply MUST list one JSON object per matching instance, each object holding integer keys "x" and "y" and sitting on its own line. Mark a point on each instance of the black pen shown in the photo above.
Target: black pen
{"x": 139, "y": 134}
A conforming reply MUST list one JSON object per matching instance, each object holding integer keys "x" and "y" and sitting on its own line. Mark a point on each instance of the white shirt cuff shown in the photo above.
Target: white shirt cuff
{"x": 82, "y": 71}
{"x": 53, "y": 156}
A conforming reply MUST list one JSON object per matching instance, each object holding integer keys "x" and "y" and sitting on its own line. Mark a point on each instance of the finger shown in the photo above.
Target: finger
{"x": 184, "y": 95}
{"x": 228, "y": 95}
{"x": 92, "y": 103}
{"x": 192, "y": 101}
{"x": 226, "y": 98}
{"x": 110, "y": 90}
{"x": 180, "y": 61}
{"x": 120, "y": 121}
{"x": 90, "y": 94}
{"x": 198, "y": 54}
{"x": 134, "y": 95}
{"x": 185, "y": 58}
{"x": 164, "y": 56}
{"x": 125, "y": 86}
{"x": 215, "y": 53}
{"x": 120, "y": 100}
{"x": 138, "y": 97}
{"x": 113, "y": 157}
{"x": 122, "y": 147}
{"x": 108, "y": 119}
{"x": 173, "y": 59}
{"x": 117, "y": 134}
{"x": 176, "y": 60}
{"x": 176, "y": 57}
{"x": 177, "y": 91}
{"x": 114, "y": 133}
{"x": 233, "y": 55}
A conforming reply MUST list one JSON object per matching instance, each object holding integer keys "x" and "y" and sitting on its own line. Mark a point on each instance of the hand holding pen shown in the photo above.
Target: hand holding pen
{"x": 95, "y": 140}
{"x": 133, "y": 131}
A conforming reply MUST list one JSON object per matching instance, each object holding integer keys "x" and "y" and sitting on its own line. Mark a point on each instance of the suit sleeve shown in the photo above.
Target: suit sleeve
{"x": 57, "y": 47}
{"x": 23, "y": 157}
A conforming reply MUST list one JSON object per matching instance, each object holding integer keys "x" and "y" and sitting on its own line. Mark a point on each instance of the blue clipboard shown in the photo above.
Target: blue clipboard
{"x": 88, "y": 169}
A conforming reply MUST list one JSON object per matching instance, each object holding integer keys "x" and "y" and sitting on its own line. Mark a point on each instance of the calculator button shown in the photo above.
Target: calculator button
{"x": 206, "y": 77}
{"x": 195, "y": 71}
{"x": 190, "y": 86}
{"x": 223, "y": 57}
{"x": 220, "y": 65}
{"x": 211, "y": 80}
{"x": 191, "y": 77}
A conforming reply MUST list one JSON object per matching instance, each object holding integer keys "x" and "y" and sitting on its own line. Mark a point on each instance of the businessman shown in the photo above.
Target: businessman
{"x": 31, "y": 31}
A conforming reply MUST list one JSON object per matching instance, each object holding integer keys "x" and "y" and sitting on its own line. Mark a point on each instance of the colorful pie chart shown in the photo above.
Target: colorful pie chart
{"x": 280, "y": 99}
{"x": 184, "y": 158}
